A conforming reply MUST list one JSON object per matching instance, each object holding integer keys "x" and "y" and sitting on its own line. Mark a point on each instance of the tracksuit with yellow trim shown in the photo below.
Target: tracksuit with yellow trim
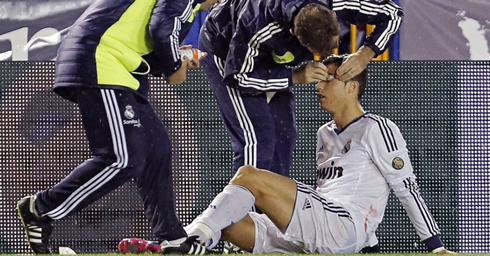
{"x": 102, "y": 65}
{"x": 250, "y": 47}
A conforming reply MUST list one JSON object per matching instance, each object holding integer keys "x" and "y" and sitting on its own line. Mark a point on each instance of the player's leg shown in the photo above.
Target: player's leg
{"x": 256, "y": 233}
{"x": 155, "y": 184}
{"x": 317, "y": 225}
{"x": 241, "y": 234}
{"x": 273, "y": 193}
{"x": 113, "y": 149}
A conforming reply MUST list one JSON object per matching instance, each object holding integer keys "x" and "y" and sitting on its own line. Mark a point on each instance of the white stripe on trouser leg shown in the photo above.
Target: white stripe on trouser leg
{"x": 120, "y": 150}
{"x": 250, "y": 148}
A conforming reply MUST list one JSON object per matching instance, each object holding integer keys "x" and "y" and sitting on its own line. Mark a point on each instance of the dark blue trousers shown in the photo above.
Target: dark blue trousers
{"x": 263, "y": 134}
{"x": 127, "y": 140}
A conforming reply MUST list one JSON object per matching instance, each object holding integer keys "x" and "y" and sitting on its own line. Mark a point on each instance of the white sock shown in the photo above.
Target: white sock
{"x": 202, "y": 231}
{"x": 228, "y": 207}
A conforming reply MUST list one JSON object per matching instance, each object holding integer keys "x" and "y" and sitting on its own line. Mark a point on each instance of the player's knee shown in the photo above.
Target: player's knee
{"x": 246, "y": 176}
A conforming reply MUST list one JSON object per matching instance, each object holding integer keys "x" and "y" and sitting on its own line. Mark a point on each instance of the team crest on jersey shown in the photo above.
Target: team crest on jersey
{"x": 346, "y": 147}
{"x": 397, "y": 163}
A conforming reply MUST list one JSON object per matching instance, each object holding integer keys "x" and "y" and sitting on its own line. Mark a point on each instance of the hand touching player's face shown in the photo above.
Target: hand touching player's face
{"x": 332, "y": 92}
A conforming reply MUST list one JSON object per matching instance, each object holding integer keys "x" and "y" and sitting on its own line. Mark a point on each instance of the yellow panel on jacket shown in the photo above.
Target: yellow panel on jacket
{"x": 120, "y": 50}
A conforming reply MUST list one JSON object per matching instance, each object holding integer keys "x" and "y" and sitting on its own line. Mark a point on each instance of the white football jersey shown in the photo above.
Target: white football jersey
{"x": 357, "y": 167}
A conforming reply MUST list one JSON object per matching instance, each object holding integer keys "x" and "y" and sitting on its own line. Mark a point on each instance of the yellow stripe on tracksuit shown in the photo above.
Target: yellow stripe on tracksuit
{"x": 194, "y": 12}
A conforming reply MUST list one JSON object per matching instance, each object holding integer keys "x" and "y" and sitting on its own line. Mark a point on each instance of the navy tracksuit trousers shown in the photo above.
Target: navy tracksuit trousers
{"x": 263, "y": 134}
{"x": 127, "y": 140}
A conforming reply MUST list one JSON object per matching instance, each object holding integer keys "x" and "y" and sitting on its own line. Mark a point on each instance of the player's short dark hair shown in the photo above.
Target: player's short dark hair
{"x": 315, "y": 26}
{"x": 361, "y": 78}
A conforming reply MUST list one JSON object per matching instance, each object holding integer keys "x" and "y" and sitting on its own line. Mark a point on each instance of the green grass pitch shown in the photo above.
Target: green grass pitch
{"x": 374, "y": 254}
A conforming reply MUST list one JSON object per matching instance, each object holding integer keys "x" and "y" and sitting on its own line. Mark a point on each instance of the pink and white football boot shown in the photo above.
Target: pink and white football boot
{"x": 138, "y": 246}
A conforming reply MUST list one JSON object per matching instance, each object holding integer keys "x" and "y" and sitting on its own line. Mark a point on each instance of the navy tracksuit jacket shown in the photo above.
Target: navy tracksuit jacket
{"x": 102, "y": 65}
{"x": 250, "y": 47}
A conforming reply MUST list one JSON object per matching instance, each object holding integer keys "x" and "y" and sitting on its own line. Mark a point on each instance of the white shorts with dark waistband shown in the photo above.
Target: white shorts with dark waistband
{"x": 318, "y": 225}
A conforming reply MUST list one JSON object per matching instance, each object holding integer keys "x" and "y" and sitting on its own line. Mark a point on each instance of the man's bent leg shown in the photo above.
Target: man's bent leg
{"x": 228, "y": 207}
{"x": 241, "y": 234}
{"x": 274, "y": 193}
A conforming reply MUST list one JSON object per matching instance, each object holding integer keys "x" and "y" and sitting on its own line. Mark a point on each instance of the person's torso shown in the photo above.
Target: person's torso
{"x": 347, "y": 173}
{"x": 105, "y": 45}
{"x": 262, "y": 15}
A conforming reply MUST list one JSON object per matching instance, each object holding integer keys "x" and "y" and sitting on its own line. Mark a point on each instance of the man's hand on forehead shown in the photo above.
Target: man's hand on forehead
{"x": 310, "y": 73}
{"x": 354, "y": 64}
{"x": 331, "y": 69}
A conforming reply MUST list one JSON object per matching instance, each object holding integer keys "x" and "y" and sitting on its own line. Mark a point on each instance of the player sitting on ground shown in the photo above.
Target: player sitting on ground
{"x": 360, "y": 157}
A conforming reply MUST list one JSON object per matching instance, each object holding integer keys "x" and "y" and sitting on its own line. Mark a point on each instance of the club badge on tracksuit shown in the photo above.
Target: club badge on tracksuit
{"x": 129, "y": 114}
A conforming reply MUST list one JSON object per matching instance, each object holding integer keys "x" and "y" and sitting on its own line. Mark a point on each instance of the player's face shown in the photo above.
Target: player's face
{"x": 332, "y": 92}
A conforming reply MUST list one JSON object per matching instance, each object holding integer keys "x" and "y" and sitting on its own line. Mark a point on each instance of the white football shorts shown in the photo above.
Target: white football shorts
{"x": 318, "y": 225}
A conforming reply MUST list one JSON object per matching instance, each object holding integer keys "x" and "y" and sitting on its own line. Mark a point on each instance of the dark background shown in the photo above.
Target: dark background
{"x": 41, "y": 140}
